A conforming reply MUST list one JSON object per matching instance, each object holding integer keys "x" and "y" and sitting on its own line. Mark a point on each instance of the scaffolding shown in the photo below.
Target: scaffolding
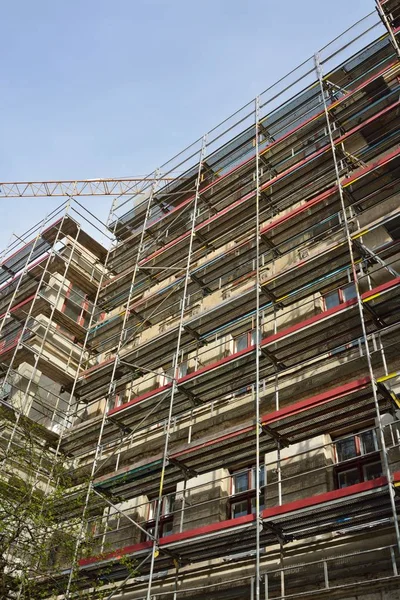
{"x": 200, "y": 343}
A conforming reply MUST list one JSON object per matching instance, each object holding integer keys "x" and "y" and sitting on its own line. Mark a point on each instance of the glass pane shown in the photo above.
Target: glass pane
{"x": 368, "y": 442}
{"x": 72, "y": 310}
{"x": 262, "y": 477}
{"x": 239, "y": 509}
{"x": 168, "y": 505}
{"x": 240, "y": 482}
{"x": 350, "y": 477}
{"x": 349, "y": 292}
{"x": 182, "y": 369}
{"x": 152, "y": 509}
{"x": 346, "y": 449}
{"x": 372, "y": 471}
{"x": 253, "y": 337}
{"x": 167, "y": 528}
{"x": 253, "y": 504}
{"x": 86, "y": 319}
{"x": 76, "y": 295}
{"x": 332, "y": 300}
{"x": 241, "y": 342}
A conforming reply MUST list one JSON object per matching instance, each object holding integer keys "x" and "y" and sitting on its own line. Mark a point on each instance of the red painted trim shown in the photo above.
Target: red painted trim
{"x": 141, "y": 398}
{"x": 365, "y": 170}
{"x": 359, "y": 174}
{"x": 333, "y": 394}
{"x": 304, "y": 207}
{"x": 19, "y": 275}
{"x": 279, "y": 140}
{"x": 17, "y": 306}
{"x": 322, "y": 498}
{"x": 325, "y": 397}
{"x": 265, "y": 342}
{"x": 270, "y": 183}
{"x": 333, "y": 105}
{"x": 367, "y": 122}
{"x": 299, "y": 209}
{"x": 206, "y": 529}
{"x": 214, "y": 441}
{"x": 99, "y": 366}
{"x": 268, "y": 513}
{"x": 30, "y": 241}
{"x": 116, "y": 554}
{"x": 381, "y": 288}
{"x": 292, "y": 410}
{"x": 327, "y": 314}
{"x": 5, "y": 348}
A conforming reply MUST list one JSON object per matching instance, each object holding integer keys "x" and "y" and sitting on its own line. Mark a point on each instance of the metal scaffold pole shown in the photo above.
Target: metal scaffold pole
{"x": 23, "y": 271}
{"x": 258, "y": 347}
{"x": 111, "y": 389}
{"x": 236, "y": 331}
{"x": 176, "y": 364}
{"x": 83, "y": 351}
{"x": 28, "y": 317}
{"x": 386, "y": 23}
{"x": 385, "y": 461}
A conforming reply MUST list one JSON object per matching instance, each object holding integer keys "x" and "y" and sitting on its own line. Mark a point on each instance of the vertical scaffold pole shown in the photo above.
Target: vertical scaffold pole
{"x": 110, "y": 391}
{"x": 27, "y": 321}
{"x": 258, "y": 348}
{"x": 385, "y": 461}
{"x": 24, "y": 270}
{"x": 386, "y": 23}
{"x": 175, "y": 366}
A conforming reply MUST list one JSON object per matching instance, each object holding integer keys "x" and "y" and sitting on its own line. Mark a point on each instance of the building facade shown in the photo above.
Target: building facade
{"x": 222, "y": 380}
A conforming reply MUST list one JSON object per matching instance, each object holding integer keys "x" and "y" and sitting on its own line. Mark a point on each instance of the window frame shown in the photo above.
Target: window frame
{"x": 83, "y": 307}
{"x": 357, "y": 462}
{"x": 340, "y": 292}
{"x": 166, "y": 516}
{"x": 249, "y": 494}
{"x": 250, "y": 339}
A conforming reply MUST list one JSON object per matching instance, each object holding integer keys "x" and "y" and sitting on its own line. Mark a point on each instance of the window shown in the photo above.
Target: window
{"x": 357, "y": 458}
{"x": 343, "y": 294}
{"x": 77, "y": 306}
{"x": 243, "y": 492}
{"x": 113, "y": 401}
{"x": 167, "y": 376}
{"x": 5, "y": 389}
{"x": 244, "y": 340}
{"x": 166, "y": 516}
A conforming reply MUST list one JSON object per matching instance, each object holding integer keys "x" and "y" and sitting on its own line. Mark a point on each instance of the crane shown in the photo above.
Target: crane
{"x": 82, "y": 187}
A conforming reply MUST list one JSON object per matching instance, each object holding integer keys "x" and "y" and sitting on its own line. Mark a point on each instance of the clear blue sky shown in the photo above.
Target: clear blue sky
{"x": 110, "y": 88}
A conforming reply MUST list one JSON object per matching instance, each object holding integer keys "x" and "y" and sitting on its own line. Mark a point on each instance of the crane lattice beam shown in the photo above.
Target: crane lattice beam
{"x": 84, "y": 187}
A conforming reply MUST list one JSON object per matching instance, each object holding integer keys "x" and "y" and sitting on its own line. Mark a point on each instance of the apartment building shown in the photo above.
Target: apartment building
{"x": 222, "y": 379}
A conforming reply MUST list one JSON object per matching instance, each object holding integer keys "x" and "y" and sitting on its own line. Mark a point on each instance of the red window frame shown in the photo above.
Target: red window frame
{"x": 248, "y": 495}
{"x": 166, "y": 517}
{"x": 358, "y": 462}
{"x": 340, "y": 294}
{"x": 83, "y": 306}
{"x": 250, "y": 338}
{"x": 83, "y": 313}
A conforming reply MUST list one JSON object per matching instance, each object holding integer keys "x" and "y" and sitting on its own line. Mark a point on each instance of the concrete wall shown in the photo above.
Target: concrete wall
{"x": 203, "y": 500}
{"x": 116, "y": 530}
{"x": 304, "y": 471}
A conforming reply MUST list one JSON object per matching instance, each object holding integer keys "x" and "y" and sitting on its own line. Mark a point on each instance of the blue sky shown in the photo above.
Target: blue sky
{"x": 101, "y": 88}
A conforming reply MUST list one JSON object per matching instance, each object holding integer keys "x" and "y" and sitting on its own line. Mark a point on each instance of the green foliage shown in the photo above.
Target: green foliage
{"x": 41, "y": 532}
